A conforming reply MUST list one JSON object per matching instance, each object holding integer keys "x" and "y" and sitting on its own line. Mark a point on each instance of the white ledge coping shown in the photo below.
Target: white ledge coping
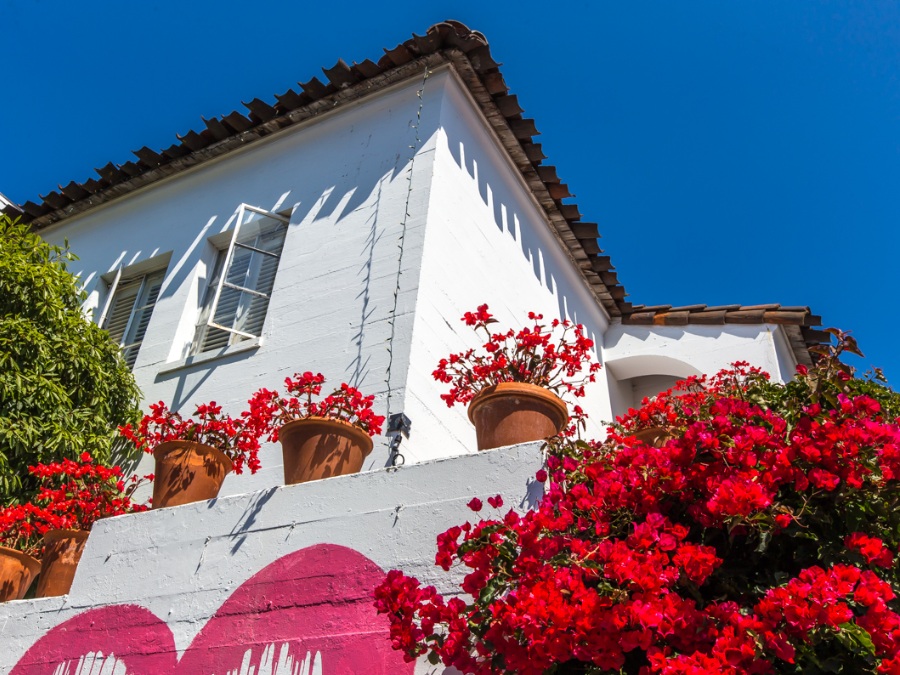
{"x": 206, "y": 357}
{"x": 191, "y": 545}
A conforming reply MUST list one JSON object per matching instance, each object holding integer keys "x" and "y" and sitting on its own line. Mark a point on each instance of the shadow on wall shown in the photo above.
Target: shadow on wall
{"x": 509, "y": 221}
{"x": 644, "y": 334}
{"x": 248, "y": 521}
{"x": 364, "y": 179}
{"x": 360, "y": 362}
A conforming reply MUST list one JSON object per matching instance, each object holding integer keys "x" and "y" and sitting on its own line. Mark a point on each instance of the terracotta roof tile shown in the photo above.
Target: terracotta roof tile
{"x": 798, "y": 321}
{"x": 585, "y": 230}
{"x": 262, "y": 110}
{"x": 218, "y": 130}
{"x": 74, "y": 191}
{"x": 314, "y": 89}
{"x": 340, "y": 75}
{"x": 509, "y": 105}
{"x": 238, "y": 123}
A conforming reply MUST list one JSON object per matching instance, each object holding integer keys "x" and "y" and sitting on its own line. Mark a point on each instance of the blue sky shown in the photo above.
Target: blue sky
{"x": 732, "y": 152}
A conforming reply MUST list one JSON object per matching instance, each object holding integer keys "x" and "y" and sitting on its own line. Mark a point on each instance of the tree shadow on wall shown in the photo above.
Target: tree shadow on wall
{"x": 187, "y": 473}
{"x": 320, "y": 453}
{"x": 326, "y": 200}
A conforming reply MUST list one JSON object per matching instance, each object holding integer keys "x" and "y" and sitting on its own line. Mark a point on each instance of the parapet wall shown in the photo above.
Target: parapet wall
{"x": 277, "y": 582}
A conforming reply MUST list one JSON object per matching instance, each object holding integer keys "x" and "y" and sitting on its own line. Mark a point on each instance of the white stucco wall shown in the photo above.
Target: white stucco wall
{"x": 354, "y": 191}
{"x": 487, "y": 241}
{"x": 678, "y": 351}
{"x": 182, "y": 563}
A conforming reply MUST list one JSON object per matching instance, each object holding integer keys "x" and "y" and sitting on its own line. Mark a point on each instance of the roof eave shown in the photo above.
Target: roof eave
{"x": 799, "y": 323}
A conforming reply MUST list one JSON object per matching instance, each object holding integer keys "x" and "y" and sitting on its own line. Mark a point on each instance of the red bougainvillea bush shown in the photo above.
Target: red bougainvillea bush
{"x": 237, "y": 437}
{"x": 269, "y": 411}
{"x": 73, "y": 495}
{"x": 557, "y": 358}
{"x": 759, "y": 537}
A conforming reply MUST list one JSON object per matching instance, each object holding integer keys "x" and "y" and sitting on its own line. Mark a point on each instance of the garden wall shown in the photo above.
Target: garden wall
{"x": 277, "y": 582}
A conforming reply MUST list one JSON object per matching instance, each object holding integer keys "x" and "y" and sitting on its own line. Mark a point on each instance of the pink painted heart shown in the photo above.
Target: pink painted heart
{"x": 307, "y": 613}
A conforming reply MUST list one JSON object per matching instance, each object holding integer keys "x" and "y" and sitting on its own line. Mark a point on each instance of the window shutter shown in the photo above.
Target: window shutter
{"x": 130, "y": 312}
{"x": 120, "y": 312}
{"x": 238, "y": 297}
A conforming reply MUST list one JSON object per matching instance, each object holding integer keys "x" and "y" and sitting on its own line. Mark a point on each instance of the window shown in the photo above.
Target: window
{"x": 128, "y": 308}
{"x": 237, "y": 297}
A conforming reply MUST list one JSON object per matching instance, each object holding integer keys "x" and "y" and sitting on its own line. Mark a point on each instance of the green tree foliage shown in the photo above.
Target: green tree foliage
{"x": 64, "y": 386}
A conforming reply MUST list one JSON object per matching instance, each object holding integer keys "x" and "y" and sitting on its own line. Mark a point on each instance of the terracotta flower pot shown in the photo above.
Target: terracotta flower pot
{"x": 17, "y": 570}
{"x": 516, "y": 412}
{"x": 316, "y": 447}
{"x": 653, "y": 436}
{"x": 62, "y": 551}
{"x": 187, "y": 472}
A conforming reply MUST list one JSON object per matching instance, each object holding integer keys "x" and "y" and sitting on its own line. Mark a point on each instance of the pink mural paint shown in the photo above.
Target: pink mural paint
{"x": 308, "y": 613}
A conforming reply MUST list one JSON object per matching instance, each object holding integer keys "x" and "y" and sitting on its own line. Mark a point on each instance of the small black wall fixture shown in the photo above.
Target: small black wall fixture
{"x": 398, "y": 427}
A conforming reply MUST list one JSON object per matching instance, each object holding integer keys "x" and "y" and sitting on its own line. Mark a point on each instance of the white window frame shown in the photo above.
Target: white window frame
{"x": 222, "y": 282}
{"x": 110, "y": 294}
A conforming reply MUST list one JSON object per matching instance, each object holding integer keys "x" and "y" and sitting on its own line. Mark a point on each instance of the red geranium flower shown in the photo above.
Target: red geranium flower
{"x": 238, "y": 438}
{"x": 269, "y": 411}
{"x": 558, "y": 358}
{"x": 73, "y": 494}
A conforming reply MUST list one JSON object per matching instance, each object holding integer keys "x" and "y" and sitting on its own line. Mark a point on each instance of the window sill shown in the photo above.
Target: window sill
{"x": 207, "y": 357}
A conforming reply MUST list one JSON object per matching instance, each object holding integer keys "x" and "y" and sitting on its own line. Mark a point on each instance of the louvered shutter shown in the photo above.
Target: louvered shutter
{"x": 120, "y": 311}
{"x": 237, "y": 300}
{"x": 130, "y": 312}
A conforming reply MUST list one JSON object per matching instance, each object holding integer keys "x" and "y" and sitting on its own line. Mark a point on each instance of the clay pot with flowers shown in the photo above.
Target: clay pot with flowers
{"x": 54, "y": 526}
{"x": 515, "y": 383}
{"x": 320, "y": 436}
{"x": 20, "y": 550}
{"x": 194, "y": 455}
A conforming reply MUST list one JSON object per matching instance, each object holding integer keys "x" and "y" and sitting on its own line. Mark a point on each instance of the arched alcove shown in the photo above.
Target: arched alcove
{"x": 639, "y": 377}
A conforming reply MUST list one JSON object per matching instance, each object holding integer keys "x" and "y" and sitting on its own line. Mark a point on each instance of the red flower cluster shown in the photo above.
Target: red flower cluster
{"x": 552, "y": 359}
{"x": 239, "y": 437}
{"x": 236, "y": 437}
{"x": 22, "y": 528}
{"x": 73, "y": 495}
{"x": 757, "y": 538}
{"x": 871, "y": 548}
{"x": 269, "y": 411}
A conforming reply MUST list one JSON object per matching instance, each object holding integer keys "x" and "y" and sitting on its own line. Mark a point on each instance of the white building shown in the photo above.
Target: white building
{"x": 366, "y": 213}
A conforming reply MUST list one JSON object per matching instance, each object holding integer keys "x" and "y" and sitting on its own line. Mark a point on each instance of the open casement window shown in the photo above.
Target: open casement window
{"x": 128, "y": 309}
{"x": 237, "y": 298}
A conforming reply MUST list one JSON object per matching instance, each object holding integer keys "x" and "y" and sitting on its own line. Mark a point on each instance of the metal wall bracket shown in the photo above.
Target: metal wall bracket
{"x": 398, "y": 427}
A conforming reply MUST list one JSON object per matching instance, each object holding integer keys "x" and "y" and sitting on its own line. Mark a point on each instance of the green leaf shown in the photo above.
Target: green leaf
{"x": 855, "y": 638}
{"x": 64, "y": 387}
